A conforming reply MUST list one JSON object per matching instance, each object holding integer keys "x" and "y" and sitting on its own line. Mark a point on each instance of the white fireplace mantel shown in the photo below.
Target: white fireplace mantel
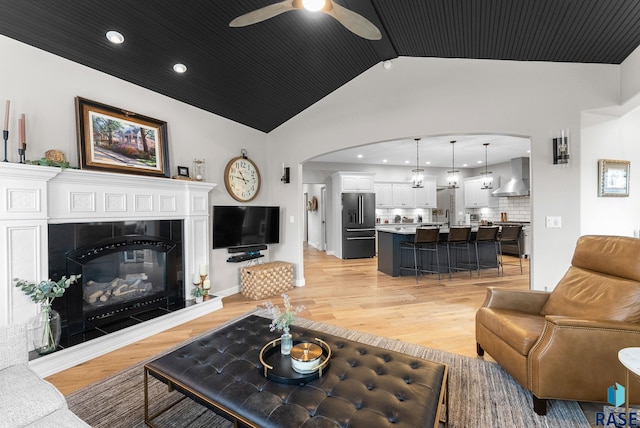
{"x": 33, "y": 196}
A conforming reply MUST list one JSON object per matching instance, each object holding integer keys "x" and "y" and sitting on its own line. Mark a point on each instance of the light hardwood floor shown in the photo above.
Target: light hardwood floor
{"x": 346, "y": 293}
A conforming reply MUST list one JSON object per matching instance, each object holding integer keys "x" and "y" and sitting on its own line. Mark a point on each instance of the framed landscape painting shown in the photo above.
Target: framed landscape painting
{"x": 613, "y": 177}
{"x": 117, "y": 140}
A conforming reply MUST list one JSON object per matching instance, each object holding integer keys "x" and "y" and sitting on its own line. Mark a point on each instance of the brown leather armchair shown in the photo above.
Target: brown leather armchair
{"x": 564, "y": 344}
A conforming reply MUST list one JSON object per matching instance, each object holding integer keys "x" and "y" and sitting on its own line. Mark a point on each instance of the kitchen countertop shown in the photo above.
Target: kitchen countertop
{"x": 411, "y": 230}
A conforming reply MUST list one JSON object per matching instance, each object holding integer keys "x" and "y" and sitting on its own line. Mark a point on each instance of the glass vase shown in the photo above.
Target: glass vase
{"x": 286, "y": 342}
{"x": 46, "y": 330}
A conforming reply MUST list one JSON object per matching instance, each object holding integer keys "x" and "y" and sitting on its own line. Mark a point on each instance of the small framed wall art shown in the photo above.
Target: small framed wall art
{"x": 116, "y": 140}
{"x": 613, "y": 177}
{"x": 183, "y": 171}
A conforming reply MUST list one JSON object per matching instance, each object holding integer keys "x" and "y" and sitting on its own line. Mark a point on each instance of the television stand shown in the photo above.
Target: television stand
{"x": 244, "y": 257}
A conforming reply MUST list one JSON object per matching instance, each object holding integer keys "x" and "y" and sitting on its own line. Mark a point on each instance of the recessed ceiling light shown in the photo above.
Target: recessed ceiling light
{"x": 384, "y": 161}
{"x": 428, "y": 162}
{"x": 359, "y": 156}
{"x": 179, "y": 68}
{"x": 407, "y": 161}
{"x": 115, "y": 37}
{"x": 479, "y": 162}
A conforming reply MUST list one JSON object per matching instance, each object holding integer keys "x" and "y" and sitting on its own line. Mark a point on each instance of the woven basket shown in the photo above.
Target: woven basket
{"x": 266, "y": 279}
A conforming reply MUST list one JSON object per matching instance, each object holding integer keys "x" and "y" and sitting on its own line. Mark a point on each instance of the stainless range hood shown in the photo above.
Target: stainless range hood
{"x": 518, "y": 185}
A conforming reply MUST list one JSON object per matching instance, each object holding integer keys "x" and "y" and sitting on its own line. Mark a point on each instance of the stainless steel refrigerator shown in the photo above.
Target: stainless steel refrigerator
{"x": 358, "y": 225}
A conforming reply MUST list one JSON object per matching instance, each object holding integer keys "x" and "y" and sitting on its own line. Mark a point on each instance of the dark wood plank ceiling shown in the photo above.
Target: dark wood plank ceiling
{"x": 264, "y": 74}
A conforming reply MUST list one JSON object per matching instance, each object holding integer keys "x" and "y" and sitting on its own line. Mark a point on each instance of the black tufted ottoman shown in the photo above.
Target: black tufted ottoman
{"x": 364, "y": 386}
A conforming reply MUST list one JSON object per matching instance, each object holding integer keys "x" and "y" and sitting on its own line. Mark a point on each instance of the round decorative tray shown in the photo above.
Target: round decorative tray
{"x": 278, "y": 368}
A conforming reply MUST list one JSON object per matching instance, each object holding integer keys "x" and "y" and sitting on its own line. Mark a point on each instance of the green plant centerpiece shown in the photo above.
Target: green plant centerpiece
{"x": 199, "y": 292}
{"x": 47, "y": 325}
{"x": 282, "y": 319}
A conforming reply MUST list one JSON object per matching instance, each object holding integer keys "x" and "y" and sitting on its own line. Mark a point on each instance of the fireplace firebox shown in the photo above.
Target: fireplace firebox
{"x": 132, "y": 271}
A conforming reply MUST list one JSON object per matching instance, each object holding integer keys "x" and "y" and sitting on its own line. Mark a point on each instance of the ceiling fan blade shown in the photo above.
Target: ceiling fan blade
{"x": 262, "y": 14}
{"x": 354, "y": 22}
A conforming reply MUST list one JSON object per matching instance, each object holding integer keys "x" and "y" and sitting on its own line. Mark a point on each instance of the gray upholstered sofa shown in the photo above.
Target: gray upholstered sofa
{"x": 27, "y": 400}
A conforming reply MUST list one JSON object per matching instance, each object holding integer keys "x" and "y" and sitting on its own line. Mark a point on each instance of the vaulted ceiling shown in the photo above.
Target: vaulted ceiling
{"x": 264, "y": 74}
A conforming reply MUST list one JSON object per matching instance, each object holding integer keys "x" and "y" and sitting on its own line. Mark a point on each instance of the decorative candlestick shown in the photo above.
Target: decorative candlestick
{"x": 5, "y": 137}
{"x": 21, "y": 152}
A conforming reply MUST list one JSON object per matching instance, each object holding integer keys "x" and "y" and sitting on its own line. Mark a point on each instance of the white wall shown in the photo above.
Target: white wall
{"x": 610, "y": 137}
{"x": 43, "y": 87}
{"x": 428, "y": 96}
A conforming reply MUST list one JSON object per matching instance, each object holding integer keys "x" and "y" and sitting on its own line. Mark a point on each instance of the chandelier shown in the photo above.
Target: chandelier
{"x": 452, "y": 178}
{"x": 487, "y": 179}
{"x": 417, "y": 173}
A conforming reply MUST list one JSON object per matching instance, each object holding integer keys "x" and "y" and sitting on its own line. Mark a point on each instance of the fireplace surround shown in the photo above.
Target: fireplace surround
{"x": 36, "y": 199}
{"x": 131, "y": 271}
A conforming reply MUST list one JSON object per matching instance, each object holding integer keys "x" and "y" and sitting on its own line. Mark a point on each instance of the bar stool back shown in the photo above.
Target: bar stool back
{"x": 458, "y": 240}
{"x": 426, "y": 239}
{"x": 510, "y": 235}
{"x": 487, "y": 236}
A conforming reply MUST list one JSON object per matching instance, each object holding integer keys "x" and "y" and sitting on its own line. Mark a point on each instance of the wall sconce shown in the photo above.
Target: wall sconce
{"x": 285, "y": 174}
{"x": 561, "y": 148}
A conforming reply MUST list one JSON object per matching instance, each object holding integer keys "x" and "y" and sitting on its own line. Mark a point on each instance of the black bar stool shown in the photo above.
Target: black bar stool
{"x": 458, "y": 240}
{"x": 487, "y": 236}
{"x": 426, "y": 239}
{"x": 510, "y": 235}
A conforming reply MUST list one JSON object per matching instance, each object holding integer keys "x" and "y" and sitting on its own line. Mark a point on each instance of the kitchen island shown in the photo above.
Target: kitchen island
{"x": 390, "y": 257}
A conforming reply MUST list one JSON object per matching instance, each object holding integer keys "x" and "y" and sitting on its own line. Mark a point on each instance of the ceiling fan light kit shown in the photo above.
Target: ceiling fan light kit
{"x": 313, "y": 5}
{"x": 354, "y": 22}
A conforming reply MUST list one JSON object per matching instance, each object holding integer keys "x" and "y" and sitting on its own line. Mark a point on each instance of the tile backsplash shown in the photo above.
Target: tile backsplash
{"x": 518, "y": 208}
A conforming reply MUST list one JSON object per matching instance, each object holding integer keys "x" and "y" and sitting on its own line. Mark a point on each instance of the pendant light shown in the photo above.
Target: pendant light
{"x": 487, "y": 180}
{"x": 417, "y": 173}
{"x": 452, "y": 178}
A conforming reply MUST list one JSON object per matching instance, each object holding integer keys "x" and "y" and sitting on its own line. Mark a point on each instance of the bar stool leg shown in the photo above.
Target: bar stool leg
{"x": 520, "y": 256}
{"x": 415, "y": 261}
{"x": 477, "y": 259}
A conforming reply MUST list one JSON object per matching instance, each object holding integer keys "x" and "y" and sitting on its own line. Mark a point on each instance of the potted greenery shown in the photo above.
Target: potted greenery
{"x": 199, "y": 293}
{"x": 282, "y": 320}
{"x": 46, "y": 325}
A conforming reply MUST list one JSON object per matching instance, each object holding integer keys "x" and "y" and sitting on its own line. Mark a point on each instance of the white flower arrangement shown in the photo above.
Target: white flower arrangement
{"x": 282, "y": 319}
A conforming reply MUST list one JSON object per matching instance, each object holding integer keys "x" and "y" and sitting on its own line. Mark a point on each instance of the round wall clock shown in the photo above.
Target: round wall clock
{"x": 242, "y": 178}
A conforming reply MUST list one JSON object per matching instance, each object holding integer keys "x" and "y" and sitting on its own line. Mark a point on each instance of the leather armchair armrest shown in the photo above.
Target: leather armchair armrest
{"x": 620, "y": 326}
{"x": 517, "y": 300}
{"x": 572, "y": 352}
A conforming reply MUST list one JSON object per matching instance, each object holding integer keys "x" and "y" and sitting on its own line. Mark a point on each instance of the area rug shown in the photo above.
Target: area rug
{"x": 481, "y": 394}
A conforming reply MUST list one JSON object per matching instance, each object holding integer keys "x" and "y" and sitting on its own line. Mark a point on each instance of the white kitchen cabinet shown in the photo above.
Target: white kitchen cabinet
{"x": 425, "y": 197}
{"x": 352, "y": 182}
{"x": 357, "y": 183}
{"x": 384, "y": 195}
{"x": 403, "y": 195}
{"x": 477, "y": 197}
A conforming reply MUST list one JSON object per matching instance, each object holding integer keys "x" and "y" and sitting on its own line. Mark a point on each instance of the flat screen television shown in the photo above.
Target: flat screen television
{"x": 237, "y": 226}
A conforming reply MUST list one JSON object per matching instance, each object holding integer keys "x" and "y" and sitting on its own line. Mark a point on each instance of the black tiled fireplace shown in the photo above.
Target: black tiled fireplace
{"x": 132, "y": 271}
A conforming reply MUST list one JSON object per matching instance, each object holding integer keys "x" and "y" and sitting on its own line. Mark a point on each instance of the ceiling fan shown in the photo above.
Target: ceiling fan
{"x": 352, "y": 21}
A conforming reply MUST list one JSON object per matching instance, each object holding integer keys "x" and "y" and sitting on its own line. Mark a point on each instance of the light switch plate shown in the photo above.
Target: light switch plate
{"x": 554, "y": 221}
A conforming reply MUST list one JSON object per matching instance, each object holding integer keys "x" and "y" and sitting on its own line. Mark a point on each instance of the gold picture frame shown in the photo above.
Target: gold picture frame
{"x": 116, "y": 140}
{"x": 613, "y": 177}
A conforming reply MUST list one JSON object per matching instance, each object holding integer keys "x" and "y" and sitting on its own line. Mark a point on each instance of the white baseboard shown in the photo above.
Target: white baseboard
{"x": 228, "y": 291}
{"x": 61, "y": 360}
